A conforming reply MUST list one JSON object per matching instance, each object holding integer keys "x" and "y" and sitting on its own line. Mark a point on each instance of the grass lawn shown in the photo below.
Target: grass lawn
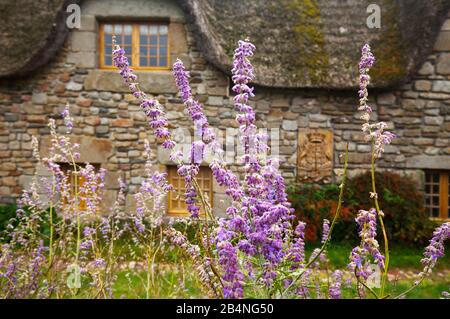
{"x": 400, "y": 256}
{"x": 175, "y": 278}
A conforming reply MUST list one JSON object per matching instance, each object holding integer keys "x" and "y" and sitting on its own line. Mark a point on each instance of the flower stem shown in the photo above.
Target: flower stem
{"x": 336, "y": 216}
{"x": 380, "y": 218}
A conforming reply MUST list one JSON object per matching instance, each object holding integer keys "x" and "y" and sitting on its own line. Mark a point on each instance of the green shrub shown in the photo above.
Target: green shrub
{"x": 405, "y": 218}
{"x": 401, "y": 202}
{"x": 8, "y": 216}
{"x": 7, "y": 212}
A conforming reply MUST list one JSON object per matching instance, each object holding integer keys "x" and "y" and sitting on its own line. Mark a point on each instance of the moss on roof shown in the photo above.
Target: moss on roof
{"x": 300, "y": 43}
{"x": 316, "y": 43}
{"x": 31, "y": 31}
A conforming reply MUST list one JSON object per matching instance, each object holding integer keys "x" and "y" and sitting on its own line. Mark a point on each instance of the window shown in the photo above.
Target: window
{"x": 437, "y": 194}
{"x": 146, "y": 45}
{"x": 68, "y": 171}
{"x": 177, "y": 206}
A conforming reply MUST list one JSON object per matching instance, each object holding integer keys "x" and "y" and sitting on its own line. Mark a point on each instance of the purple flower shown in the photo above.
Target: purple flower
{"x": 435, "y": 249}
{"x": 325, "y": 230}
{"x": 232, "y": 275}
{"x": 99, "y": 263}
{"x": 335, "y": 286}
{"x": 359, "y": 262}
{"x": 68, "y": 121}
{"x": 297, "y": 250}
{"x": 197, "y": 152}
{"x": 151, "y": 107}
{"x": 376, "y": 131}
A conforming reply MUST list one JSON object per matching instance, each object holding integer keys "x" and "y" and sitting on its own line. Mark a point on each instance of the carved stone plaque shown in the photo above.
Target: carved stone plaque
{"x": 315, "y": 156}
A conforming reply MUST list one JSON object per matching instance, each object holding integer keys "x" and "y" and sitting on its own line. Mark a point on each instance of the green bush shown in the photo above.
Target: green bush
{"x": 7, "y": 212}
{"x": 8, "y": 216}
{"x": 402, "y": 203}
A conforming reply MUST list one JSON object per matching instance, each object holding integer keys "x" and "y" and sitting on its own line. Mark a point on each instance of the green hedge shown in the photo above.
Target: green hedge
{"x": 7, "y": 212}
{"x": 402, "y": 203}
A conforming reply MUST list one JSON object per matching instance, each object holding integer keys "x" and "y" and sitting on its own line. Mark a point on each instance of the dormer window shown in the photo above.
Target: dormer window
{"x": 146, "y": 44}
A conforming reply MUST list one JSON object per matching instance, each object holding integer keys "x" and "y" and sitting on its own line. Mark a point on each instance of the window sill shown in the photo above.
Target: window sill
{"x": 439, "y": 219}
{"x": 151, "y": 81}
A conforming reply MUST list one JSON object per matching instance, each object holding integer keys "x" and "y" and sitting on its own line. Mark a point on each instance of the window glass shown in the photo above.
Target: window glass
{"x": 148, "y": 43}
{"x": 176, "y": 200}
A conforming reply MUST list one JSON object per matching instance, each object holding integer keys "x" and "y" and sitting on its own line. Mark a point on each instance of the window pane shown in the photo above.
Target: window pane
{"x": 163, "y": 51}
{"x": 124, "y": 38}
{"x": 435, "y": 178}
{"x": 127, "y": 39}
{"x": 152, "y": 43}
{"x": 436, "y": 189}
{"x": 163, "y": 40}
{"x": 153, "y": 29}
{"x": 108, "y": 38}
{"x": 436, "y": 200}
{"x": 162, "y": 61}
{"x": 163, "y": 29}
{"x": 108, "y": 49}
{"x": 435, "y": 212}
{"x": 108, "y": 60}
{"x": 108, "y": 28}
{"x": 127, "y": 29}
{"x": 143, "y": 30}
{"x": 117, "y": 29}
{"x": 176, "y": 198}
{"x": 143, "y": 61}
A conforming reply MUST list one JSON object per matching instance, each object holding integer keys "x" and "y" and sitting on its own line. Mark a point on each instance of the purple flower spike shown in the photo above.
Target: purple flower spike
{"x": 151, "y": 107}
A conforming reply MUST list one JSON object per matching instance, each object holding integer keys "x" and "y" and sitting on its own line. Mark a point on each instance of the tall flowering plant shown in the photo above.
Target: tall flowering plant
{"x": 61, "y": 244}
{"x": 255, "y": 249}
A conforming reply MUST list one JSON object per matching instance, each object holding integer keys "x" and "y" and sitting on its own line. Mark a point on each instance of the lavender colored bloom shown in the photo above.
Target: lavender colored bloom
{"x": 435, "y": 249}
{"x": 151, "y": 107}
{"x": 367, "y": 224}
{"x": 99, "y": 263}
{"x": 376, "y": 131}
{"x": 325, "y": 230}
{"x": 242, "y": 74}
{"x": 232, "y": 276}
{"x": 335, "y": 286}
{"x": 297, "y": 250}
{"x": 197, "y": 152}
{"x": 68, "y": 121}
{"x": 86, "y": 244}
{"x": 88, "y": 231}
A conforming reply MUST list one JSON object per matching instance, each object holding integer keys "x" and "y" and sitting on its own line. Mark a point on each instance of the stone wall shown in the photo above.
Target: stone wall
{"x": 112, "y": 129}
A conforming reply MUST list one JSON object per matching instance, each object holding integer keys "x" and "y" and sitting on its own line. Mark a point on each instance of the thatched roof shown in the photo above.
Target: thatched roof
{"x": 300, "y": 43}
{"x": 30, "y": 33}
{"x": 316, "y": 43}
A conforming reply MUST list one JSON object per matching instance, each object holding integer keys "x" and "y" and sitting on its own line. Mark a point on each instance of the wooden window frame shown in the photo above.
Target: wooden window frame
{"x": 171, "y": 212}
{"x": 443, "y": 194}
{"x": 135, "y": 48}
{"x": 65, "y": 168}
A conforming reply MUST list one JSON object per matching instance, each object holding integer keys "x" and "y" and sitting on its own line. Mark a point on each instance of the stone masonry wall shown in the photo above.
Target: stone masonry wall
{"x": 111, "y": 128}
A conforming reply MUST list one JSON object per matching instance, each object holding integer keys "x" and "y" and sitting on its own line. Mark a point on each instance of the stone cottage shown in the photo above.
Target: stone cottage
{"x": 306, "y": 84}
